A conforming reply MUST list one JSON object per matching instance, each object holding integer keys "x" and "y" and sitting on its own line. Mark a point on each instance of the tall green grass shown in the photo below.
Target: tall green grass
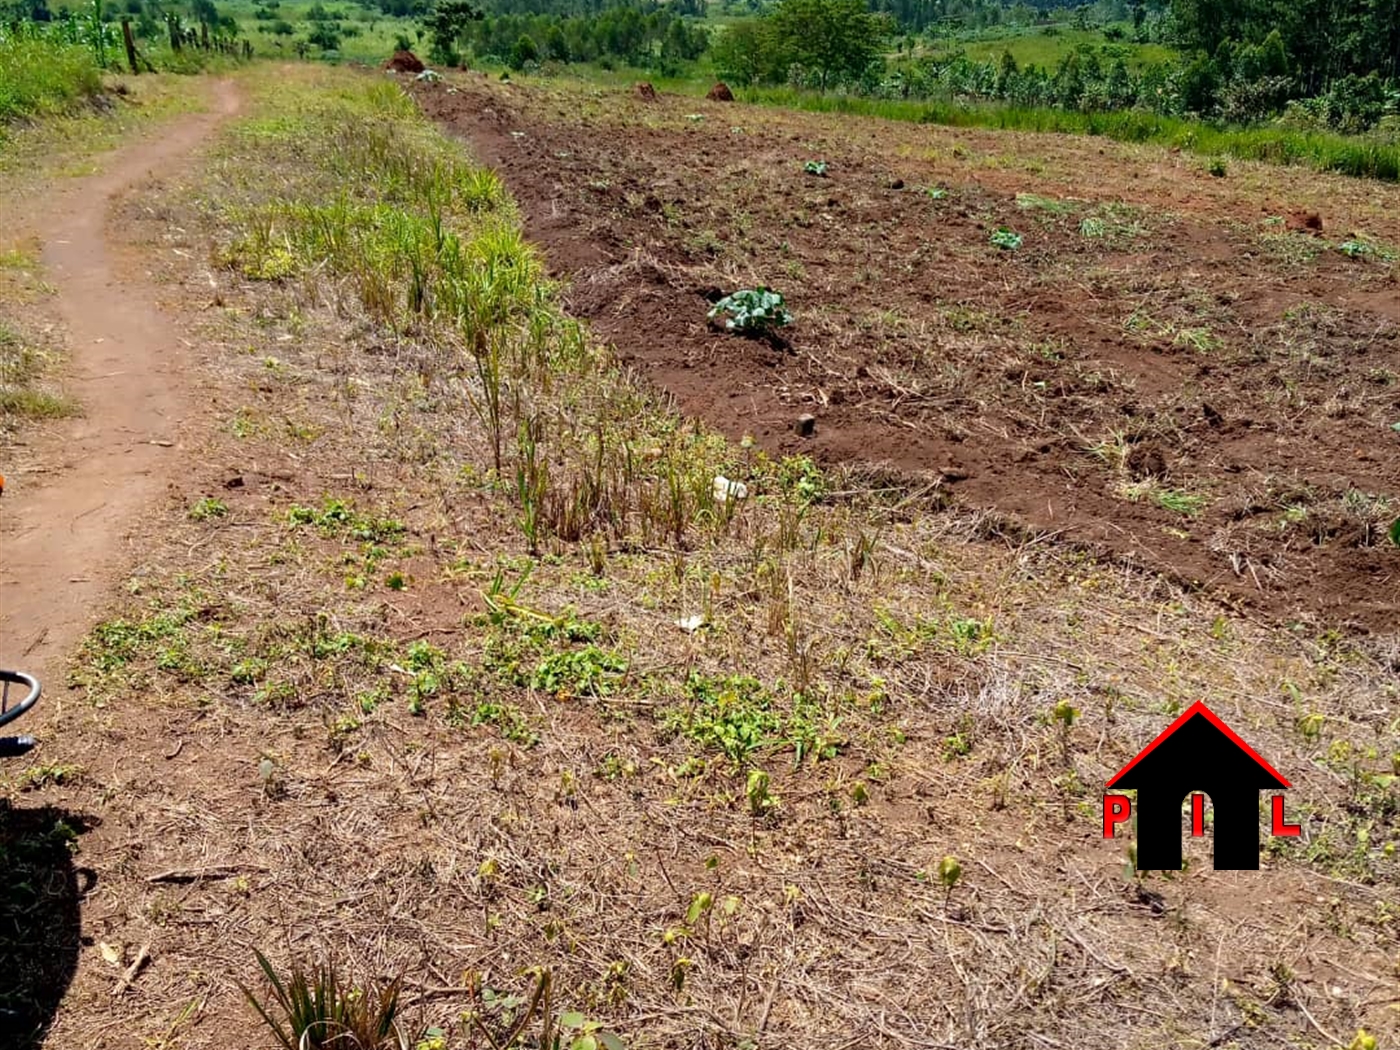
{"x": 1357, "y": 156}
{"x": 40, "y": 76}
{"x": 359, "y": 192}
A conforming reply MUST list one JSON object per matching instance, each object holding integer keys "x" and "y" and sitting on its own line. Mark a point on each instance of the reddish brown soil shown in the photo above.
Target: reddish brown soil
{"x": 720, "y": 93}
{"x": 80, "y": 492}
{"x": 405, "y": 62}
{"x": 1212, "y": 353}
{"x": 645, "y": 92}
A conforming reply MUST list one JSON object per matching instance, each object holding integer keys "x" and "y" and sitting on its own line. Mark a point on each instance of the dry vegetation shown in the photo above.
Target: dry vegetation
{"x": 446, "y": 662}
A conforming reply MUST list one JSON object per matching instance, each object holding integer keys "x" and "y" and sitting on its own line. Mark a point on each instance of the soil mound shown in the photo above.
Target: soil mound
{"x": 720, "y": 93}
{"x": 645, "y": 92}
{"x": 405, "y": 62}
{"x": 1305, "y": 222}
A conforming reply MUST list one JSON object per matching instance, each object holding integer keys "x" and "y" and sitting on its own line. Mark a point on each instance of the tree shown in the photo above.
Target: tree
{"x": 835, "y": 39}
{"x": 744, "y": 53}
{"x": 447, "y": 21}
{"x": 524, "y": 52}
{"x": 556, "y": 47}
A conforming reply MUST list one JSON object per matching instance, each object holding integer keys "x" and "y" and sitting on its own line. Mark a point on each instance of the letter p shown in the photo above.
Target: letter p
{"x": 1116, "y": 809}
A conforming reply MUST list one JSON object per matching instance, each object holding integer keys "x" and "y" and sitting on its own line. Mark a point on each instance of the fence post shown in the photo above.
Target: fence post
{"x": 130, "y": 46}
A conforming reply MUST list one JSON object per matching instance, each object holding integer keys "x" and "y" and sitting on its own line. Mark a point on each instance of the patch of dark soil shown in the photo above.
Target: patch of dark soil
{"x": 405, "y": 62}
{"x": 645, "y": 92}
{"x": 1305, "y": 222}
{"x": 925, "y": 350}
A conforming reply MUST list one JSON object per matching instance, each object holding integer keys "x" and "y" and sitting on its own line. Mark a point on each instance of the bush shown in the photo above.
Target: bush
{"x": 41, "y": 75}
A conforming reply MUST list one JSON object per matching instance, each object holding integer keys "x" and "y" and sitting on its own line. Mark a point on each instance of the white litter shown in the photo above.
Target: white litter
{"x": 727, "y": 490}
{"x": 691, "y": 623}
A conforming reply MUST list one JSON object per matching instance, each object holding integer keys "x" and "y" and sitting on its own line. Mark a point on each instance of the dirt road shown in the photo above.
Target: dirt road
{"x": 72, "y": 515}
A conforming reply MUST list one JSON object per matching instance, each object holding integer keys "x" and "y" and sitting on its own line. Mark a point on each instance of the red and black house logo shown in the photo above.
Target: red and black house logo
{"x": 1197, "y": 755}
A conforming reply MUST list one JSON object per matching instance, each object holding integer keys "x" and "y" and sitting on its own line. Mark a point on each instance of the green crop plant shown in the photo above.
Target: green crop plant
{"x": 752, "y": 311}
{"x": 815, "y": 167}
{"x": 1005, "y": 239}
{"x": 758, "y": 791}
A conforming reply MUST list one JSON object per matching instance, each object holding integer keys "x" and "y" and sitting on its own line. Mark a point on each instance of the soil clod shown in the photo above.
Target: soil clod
{"x": 405, "y": 62}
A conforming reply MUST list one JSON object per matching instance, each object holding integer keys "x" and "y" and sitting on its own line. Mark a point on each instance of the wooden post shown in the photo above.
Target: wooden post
{"x": 172, "y": 23}
{"x": 204, "y": 35}
{"x": 130, "y": 46}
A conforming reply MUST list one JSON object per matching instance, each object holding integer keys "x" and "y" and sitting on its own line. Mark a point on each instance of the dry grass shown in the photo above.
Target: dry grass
{"x": 381, "y": 731}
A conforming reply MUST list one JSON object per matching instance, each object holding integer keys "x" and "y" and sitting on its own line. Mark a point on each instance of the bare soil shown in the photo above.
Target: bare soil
{"x": 1152, "y": 311}
{"x": 78, "y": 492}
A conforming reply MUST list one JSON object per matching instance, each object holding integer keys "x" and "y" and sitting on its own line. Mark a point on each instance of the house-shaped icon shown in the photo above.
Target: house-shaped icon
{"x": 1198, "y": 752}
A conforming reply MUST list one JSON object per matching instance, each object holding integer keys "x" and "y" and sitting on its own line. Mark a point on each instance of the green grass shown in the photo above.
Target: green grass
{"x": 1357, "y": 156}
{"x": 1032, "y": 45}
{"x": 39, "y": 77}
{"x": 366, "y": 34}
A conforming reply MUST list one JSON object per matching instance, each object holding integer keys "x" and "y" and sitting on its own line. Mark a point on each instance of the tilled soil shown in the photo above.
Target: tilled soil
{"x": 1172, "y": 369}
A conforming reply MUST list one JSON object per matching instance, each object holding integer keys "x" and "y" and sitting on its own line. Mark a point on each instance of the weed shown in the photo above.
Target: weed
{"x": 1187, "y": 503}
{"x": 815, "y": 167}
{"x": 580, "y": 672}
{"x": 315, "y": 1011}
{"x": 207, "y": 508}
{"x": 510, "y": 720}
{"x": 734, "y": 715}
{"x": 37, "y": 777}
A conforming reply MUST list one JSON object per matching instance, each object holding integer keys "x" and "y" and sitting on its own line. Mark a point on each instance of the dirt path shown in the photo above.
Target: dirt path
{"x": 68, "y": 522}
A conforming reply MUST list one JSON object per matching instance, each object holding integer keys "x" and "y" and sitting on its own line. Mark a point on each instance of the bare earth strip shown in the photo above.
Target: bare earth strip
{"x": 74, "y": 508}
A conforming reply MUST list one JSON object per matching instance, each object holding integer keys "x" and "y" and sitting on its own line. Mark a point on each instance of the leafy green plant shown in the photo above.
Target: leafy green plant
{"x": 1005, "y": 239}
{"x": 759, "y": 794}
{"x": 937, "y": 193}
{"x": 1216, "y": 167}
{"x": 316, "y": 1011}
{"x": 949, "y": 871}
{"x": 1395, "y": 532}
{"x": 207, "y": 508}
{"x": 815, "y": 167}
{"x": 734, "y": 715}
{"x": 579, "y": 672}
{"x": 509, "y": 720}
{"x": 752, "y": 311}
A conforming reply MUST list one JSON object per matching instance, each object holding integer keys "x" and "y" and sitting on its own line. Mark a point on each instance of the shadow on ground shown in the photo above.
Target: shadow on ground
{"x": 40, "y": 896}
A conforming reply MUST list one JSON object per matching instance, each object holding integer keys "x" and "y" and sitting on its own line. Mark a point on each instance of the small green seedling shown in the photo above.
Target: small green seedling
{"x": 579, "y": 1033}
{"x": 1353, "y": 249}
{"x": 752, "y": 311}
{"x": 207, "y": 508}
{"x": 937, "y": 193}
{"x": 949, "y": 872}
{"x": 815, "y": 167}
{"x": 761, "y": 800}
{"x": 1395, "y": 532}
{"x": 1006, "y": 240}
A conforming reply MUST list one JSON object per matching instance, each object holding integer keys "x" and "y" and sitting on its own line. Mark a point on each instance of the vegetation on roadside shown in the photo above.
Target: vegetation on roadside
{"x": 39, "y": 75}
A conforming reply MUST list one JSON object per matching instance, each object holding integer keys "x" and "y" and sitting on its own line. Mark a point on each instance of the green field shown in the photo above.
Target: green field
{"x": 1045, "y": 46}
{"x": 366, "y": 34}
